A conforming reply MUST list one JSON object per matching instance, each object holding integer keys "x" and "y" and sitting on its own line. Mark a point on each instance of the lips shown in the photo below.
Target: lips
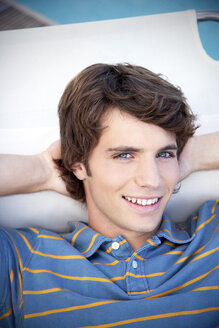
{"x": 142, "y": 201}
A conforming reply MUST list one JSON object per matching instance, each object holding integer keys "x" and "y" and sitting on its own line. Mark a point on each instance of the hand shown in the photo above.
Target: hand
{"x": 199, "y": 153}
{"x": 54, "y": 181}
{"x": 185, "y": 160}
{"x": 21, "y": 174}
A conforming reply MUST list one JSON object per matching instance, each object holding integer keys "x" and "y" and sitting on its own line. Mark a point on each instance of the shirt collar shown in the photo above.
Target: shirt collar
{"x": 87, "y": 241}
{"x": 177, "y": 233}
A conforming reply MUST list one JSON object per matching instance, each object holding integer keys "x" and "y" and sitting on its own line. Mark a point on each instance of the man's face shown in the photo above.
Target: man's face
{"x": 134, "y": 170}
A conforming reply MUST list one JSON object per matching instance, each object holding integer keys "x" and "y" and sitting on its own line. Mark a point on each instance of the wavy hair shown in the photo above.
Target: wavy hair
{"x": 134, "y": 90}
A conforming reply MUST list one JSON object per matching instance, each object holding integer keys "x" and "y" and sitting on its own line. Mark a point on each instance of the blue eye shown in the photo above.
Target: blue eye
{"x": 166, "y": 154}
{"x": 123, "y": 156}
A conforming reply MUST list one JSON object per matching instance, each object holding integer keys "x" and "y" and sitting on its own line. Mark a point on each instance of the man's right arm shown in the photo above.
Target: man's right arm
{"x": 25, "y": 174}
{"x": 31, "y": 173}
{"x": 200, "y": 153}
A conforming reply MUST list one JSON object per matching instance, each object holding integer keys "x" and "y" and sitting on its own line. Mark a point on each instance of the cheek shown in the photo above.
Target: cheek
{"x": 113, "y": 176}
{"x": 111, "y": 182}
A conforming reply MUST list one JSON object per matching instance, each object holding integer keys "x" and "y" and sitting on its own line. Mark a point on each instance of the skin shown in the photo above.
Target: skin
{"x": 121, "y": 174}
{"x": 33, "y": 173}
{"x": 132, "y": 159}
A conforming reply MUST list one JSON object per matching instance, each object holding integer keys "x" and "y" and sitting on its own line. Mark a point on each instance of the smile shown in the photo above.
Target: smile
{"x": 142, "y": 201}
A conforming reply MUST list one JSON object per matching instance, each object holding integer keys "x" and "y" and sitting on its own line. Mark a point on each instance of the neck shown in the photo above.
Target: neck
{"x": 135, "y": 239}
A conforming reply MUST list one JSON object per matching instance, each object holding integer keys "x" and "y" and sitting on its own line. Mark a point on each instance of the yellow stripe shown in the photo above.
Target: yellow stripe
{"x": 194, "y": 218}
{"x": 196, "y": 252}
{"x": 171, "y": 234}
{"x": 20, "y": 270}
{"x": 21, "y": 289}
{"x": 91, "y": 244}
{"x": 62, "y": 257}
{"x": 180, "y": 227}
{"x": 45, "y": 291}
{"x": 67, "y": 277}
{"x": 49, "y": 237}
{"x": 137, "y": 275}
{"x": 205, "y": 288}
{"x": 170, "y": 244}
{"x": 18, "y": 255}
{"x": 204, "y": 223}
{"x": 10, "y": 309}
{"x": 174, "y": 252}
{"x": 153, "y": 317}
{"x": 110, "y": 248}
{"x": 6, "y": 314}
{"x": 111, "y": 263}
{"x": 151, "y": 242}
{"x": 139, "y": 257}
{"x": 120, "y": 243}
{"x": 205, "y": 254}
{"x": 11, "y": 276}
{"x": 213, "y": 208}
{"x": 184, "y": 285}
{"x": 186, "y": 257}
{"x": 75, "y": 236}
{"x": 72, "y": 308}
{"x": 34, "y": 230}
{"x": 142, "y": 292}
{"x": 202, "y": 204}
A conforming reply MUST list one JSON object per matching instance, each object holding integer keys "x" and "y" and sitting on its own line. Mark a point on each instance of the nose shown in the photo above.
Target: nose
{"x": 148, "y": 174}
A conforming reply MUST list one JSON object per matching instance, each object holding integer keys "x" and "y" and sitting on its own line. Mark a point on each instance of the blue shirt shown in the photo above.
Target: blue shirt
{"x": 85, "y": 279}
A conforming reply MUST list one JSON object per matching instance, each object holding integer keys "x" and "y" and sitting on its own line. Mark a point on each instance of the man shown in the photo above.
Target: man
{"x": 126, "y": 140}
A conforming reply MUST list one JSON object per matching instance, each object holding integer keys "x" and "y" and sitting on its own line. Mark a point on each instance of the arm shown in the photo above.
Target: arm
{"x": 25, "y": 174}
{"x": 200, "y": 153}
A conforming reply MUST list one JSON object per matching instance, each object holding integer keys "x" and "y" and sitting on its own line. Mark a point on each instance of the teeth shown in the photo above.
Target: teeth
{"x": 150, "y": 201}
{"x": 143, "y": 202}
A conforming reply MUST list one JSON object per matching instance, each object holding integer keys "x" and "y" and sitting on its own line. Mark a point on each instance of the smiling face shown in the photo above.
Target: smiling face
{"x": 134, "y": 170}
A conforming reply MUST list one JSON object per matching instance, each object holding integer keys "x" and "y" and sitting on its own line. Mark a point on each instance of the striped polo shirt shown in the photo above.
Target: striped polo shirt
{"x": 85, "y": 279}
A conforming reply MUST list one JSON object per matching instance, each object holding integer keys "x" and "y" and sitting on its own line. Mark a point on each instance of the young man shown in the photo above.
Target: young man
{"x": 125, "y": 143}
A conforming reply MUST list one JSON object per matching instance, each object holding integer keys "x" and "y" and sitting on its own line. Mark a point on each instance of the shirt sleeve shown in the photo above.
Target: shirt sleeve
{"x": 205, "y": 222}
{"x": 14, "y": 253}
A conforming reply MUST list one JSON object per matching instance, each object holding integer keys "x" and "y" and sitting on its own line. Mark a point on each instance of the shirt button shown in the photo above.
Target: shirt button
{"x": 134, "y": 264}
{"x": 115, "y": 245}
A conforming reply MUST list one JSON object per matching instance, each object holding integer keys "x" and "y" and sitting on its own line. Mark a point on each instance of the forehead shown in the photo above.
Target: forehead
{"x": 123, "y": 128}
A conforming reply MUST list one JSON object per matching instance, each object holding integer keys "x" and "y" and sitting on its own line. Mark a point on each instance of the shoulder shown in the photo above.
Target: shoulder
{"x": 205, "y": 221}
{"x": 21, "y": 244}
{"x": 14, "y": 253}
{"x": 209, "y": 210}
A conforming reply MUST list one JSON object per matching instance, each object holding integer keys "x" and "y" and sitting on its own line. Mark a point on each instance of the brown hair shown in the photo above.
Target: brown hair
{"x": 134, "y": 90}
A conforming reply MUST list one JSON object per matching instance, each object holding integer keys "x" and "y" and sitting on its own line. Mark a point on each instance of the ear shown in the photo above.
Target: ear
{"x": 79, "y": 171}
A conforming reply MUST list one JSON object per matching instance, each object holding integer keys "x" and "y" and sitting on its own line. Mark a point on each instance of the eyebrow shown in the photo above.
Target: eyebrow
{"x": 139, "y": 150}
{"x": 125, "y": 149}
{"x": 169, "y": 147}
